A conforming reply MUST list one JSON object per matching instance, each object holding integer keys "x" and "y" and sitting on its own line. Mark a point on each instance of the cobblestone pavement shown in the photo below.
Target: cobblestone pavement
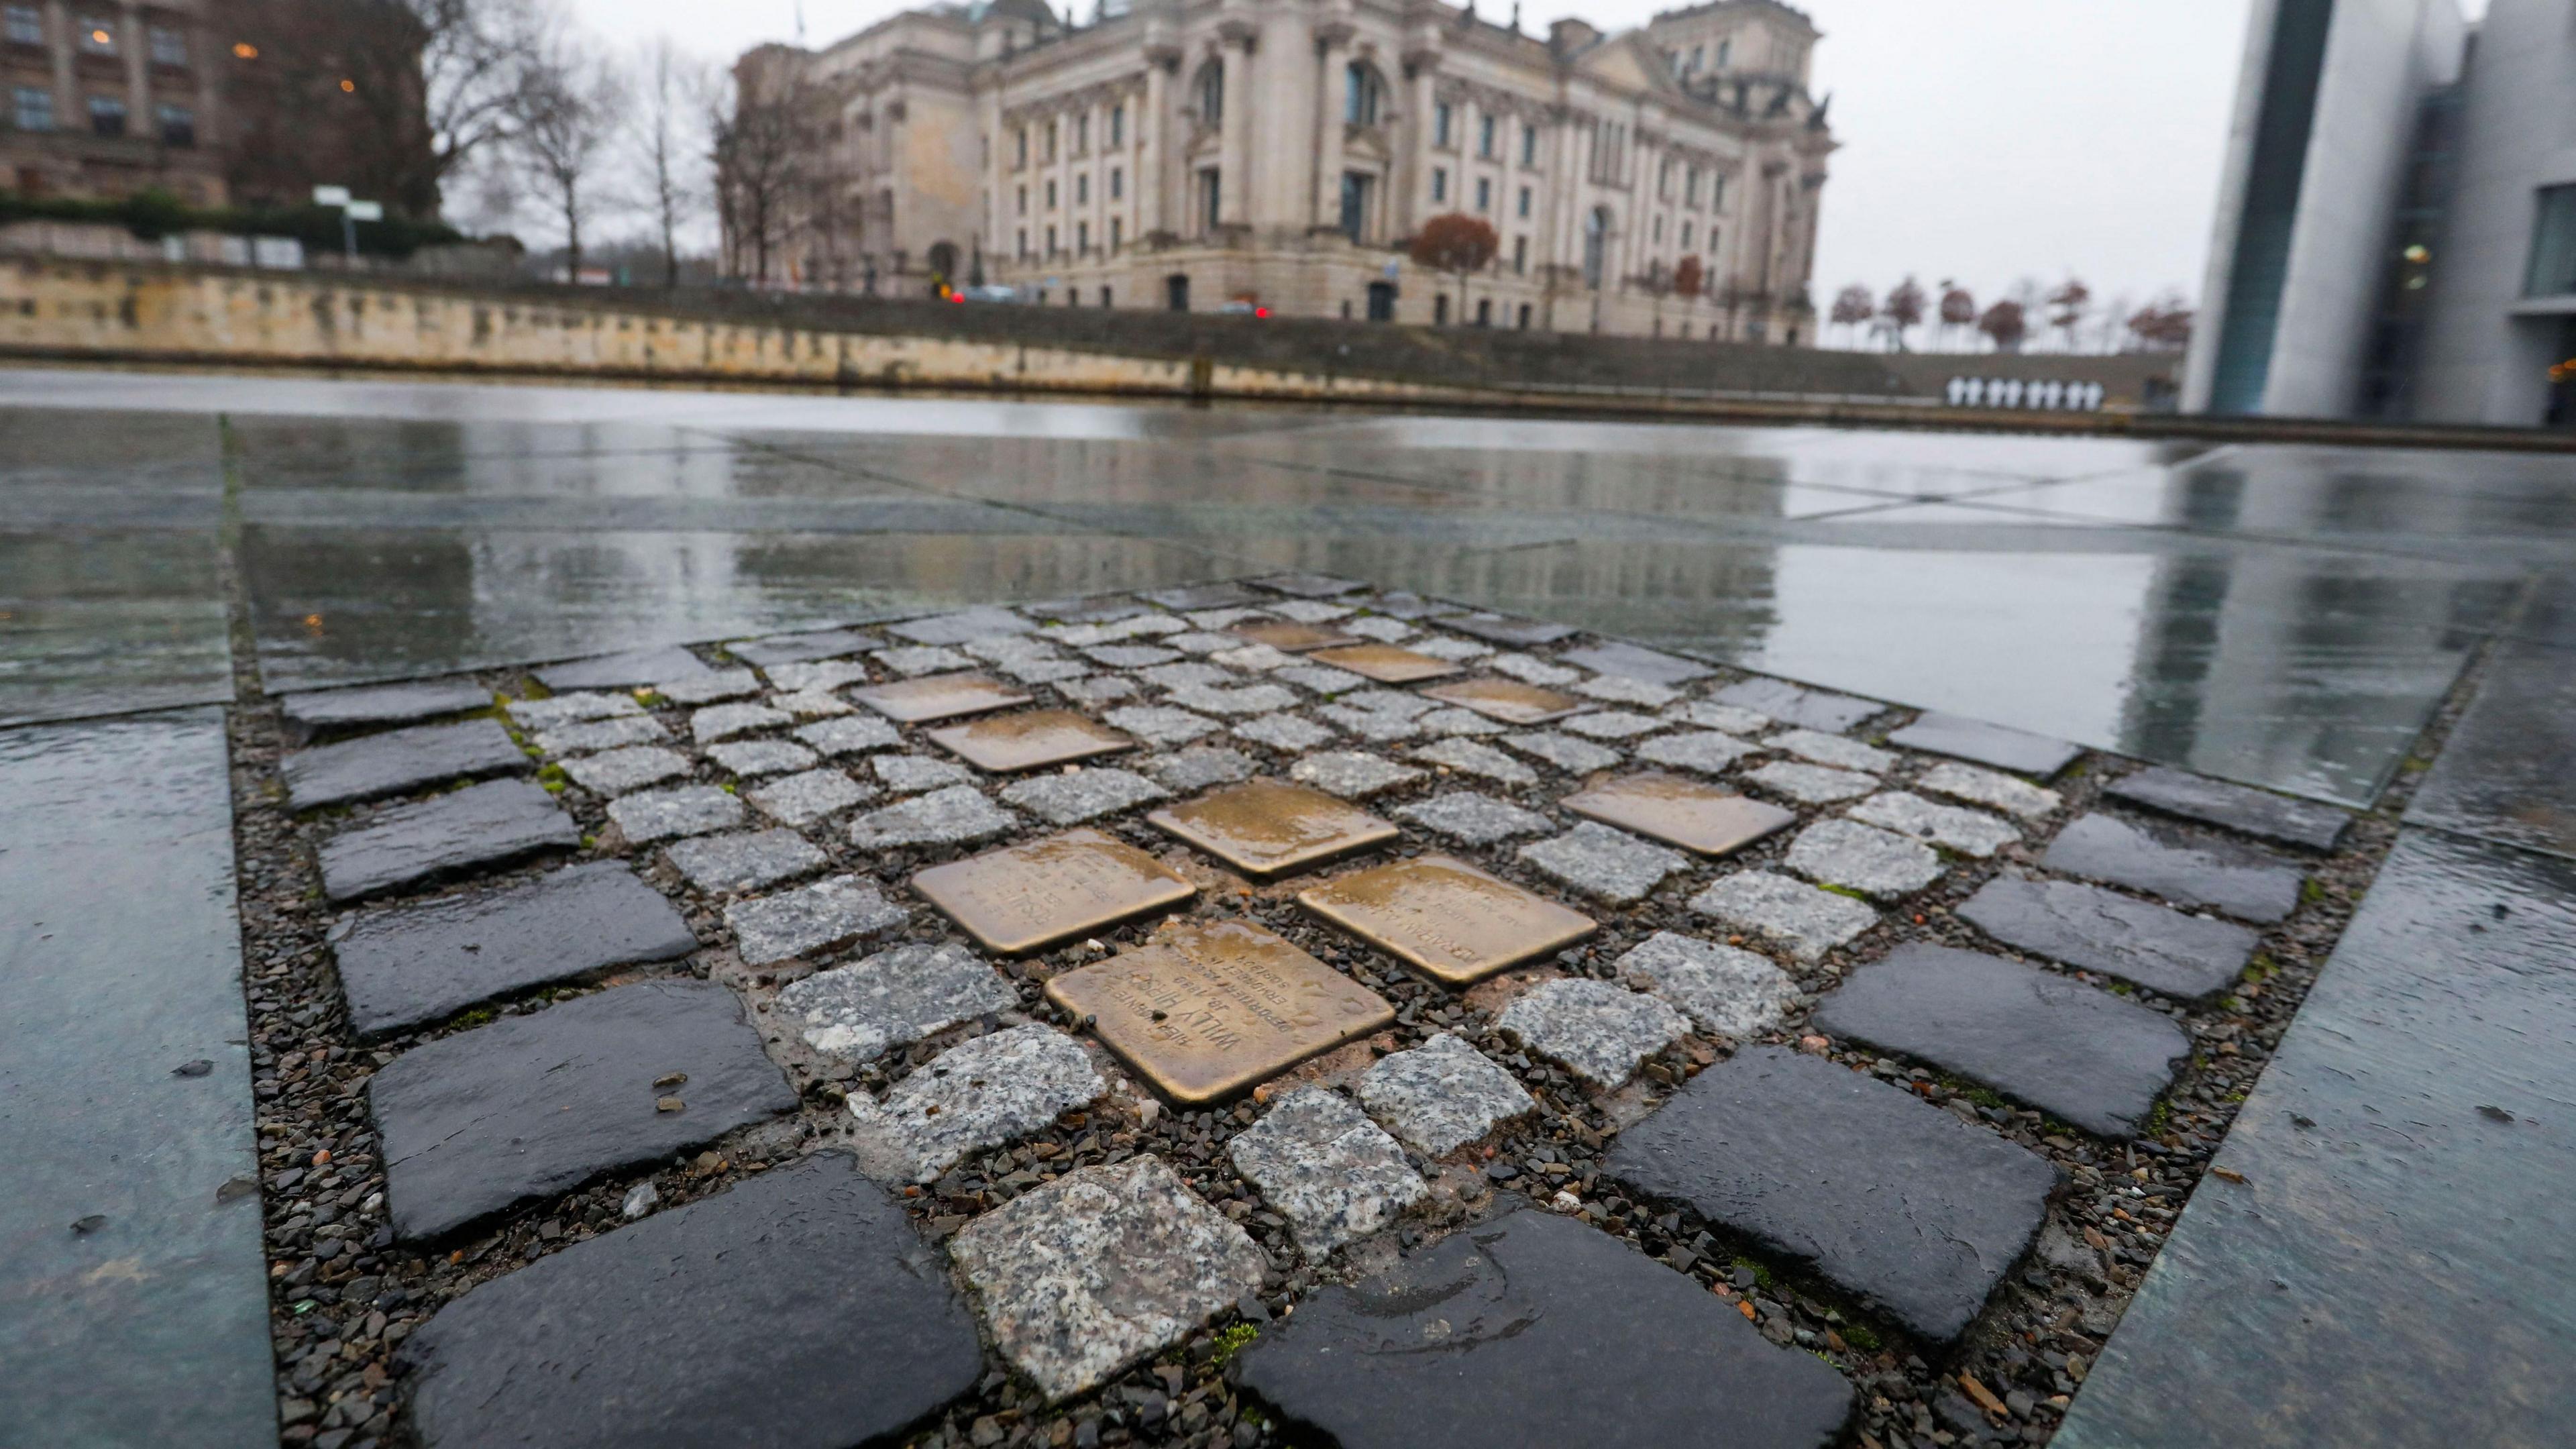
{"x": 890, "y": 968}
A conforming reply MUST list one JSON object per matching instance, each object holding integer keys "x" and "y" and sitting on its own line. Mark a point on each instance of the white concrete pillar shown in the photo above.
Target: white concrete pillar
{"x": 1234, "y": 182}
{"x": 1153, "y": 133}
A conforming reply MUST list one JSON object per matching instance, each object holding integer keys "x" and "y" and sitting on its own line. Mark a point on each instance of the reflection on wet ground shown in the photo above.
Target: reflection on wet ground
{"x": 2287, "y": 616}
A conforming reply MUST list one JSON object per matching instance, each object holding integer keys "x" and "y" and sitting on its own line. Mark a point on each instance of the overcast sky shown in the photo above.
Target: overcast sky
{"x": 1983, "y": 140}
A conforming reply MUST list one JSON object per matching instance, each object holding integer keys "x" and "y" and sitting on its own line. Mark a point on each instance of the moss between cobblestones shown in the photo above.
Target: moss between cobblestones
{"x": 338, "y": 1319}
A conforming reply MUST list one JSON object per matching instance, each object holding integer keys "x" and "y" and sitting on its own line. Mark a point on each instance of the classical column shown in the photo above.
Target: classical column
{"x": 1332, "y": 106}
{"x": 1424, "y": 67}
{"x": 1234, "y": 186}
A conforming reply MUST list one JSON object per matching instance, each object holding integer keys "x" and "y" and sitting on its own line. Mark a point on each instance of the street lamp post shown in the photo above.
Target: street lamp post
{"x": 352, "y": 212}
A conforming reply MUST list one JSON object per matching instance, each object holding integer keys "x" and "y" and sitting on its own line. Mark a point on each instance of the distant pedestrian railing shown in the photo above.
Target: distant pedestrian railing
{"x": 2048, "y": 395}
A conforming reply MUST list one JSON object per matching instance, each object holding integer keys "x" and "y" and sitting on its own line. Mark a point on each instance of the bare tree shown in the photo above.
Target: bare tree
{"x": 569, "y": 107}
{"x": 670, "y": 89}
{"x": 1904, "y": 309}
{"x": 2068, "y": 306}
{"x": 474, "y": 58}
{"x": 1853, "y": 305}
{"x": 764, "y": 138}
{"x": 1958, "y": 309}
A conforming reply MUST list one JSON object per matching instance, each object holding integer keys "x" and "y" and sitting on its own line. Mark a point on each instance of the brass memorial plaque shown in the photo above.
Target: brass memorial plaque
{"x": 1209, "y": 1009}
{"x": 1684, "y": 812}
{"x": 1006, "y": 744}
{"x": 1269, "y": 827}
{"x": 1387, "y": 664}
{"x": 1026, "y": 898}
{"x": 1290, "y": 637}
{"x": 939, "y": 696}
{"x": 1507, "y": 700}
{"x": 1445, "y": 918}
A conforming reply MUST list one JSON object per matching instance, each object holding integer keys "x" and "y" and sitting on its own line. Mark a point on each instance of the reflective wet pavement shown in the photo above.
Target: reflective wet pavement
{"x": 2284, "y": 617}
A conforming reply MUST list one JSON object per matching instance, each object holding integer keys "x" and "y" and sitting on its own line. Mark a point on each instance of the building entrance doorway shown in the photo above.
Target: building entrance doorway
{"x": 1381, "y": 302}
{"x": 1176, "y": 289}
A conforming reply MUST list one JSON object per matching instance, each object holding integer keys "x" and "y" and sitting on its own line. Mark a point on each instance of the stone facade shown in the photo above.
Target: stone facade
{"x": 109, "y": 97}
{"x": 1198, "y": 154}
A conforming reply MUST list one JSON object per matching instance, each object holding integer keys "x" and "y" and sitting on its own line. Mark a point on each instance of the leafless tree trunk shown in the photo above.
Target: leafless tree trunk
{"x": 670, "y": 91}
{"x": 764, "y": 146}
{"x": 568, "y": 108}
{"x": 473, "y": 65}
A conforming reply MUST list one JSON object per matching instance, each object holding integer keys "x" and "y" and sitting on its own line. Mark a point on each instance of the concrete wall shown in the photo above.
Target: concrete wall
{"x": 2201, "y": 369}
{"x": 2487, "y": 351}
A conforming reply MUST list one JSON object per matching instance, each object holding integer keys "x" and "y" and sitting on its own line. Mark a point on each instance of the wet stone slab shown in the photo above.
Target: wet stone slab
{"x": 531, "y": 1106}
{"x": 1961, "y": 738}
{"x": 824, "y": 675}
{"x": 1819, "y": 748}
{"x": 858, "y": 1012}
{"x": 2186, "y": 867}
{"x": 1606, "y": 864}
{"x": 412, "y": 965}
{"x": 1473, "y": 819}
{"x": 1309, "y": 586}
{"x": 1482, "y": 761}
{"x": 1805, "y": 920}
{"x": 1201, "y": 767}
{"x": 784, "y": 649}
{"x": 753, "y": 758}
{"x": 728, "y": 864}
{"x": 917, "y": 660}
{"x": 382, "y": 704}
{"x": 635, "y": 669}
{"x": 1083, "y": 795}
{"x": 1726, "y": 992}
{"x": 802, "y": 799}
{"x": 724, "y": 721}
{"x": 1709, "y": 715}
{"x": 1614, "y": 724}
{"x": 602, "y": 734}
{"x": 1632, "y": 661}
{"x": 912, "y": 774}
{"x": 1887, "y": 1195}
{"x": 986, "y": 1092}
{"x": 622, "y": 772}
{"x": 1599, "y": 1031}
{"x": 1161, "y": 724}
{"x": 1509, "y": 632}
{"x": 1811, "y": 784}
{"x": 670, "y": 814}
{"x": 1547, "y": 1332}
{"x": 2182, "y": 956}
{"x": 1706, "y": 751}
{"x": 1985, "y": 787}
{"x": 1284, "y": 732}
{"x": 481, "y": 825}
{"x": 1242, "y": 703}
{"x": 810, "y": 920}
{"x": 982, "y": 621}
{"x": 958, "y": 815}
{"x": 1858, "y": 857}
{"x": 812, "y": 704}
{"x": 1442, "y": 1095}
{"x": 2081, "y": 1055}
{"x": 838, "y": 737}
{"x": 1351, "y": 774}
{"x": 564, "y": 709}
{"x": 397, "y": 761}
{"x": 1969, "y": 832}
{"x": 2247, "y": 811}
{"x": 1083, "y": 1276}
{"x": 713, "y": 688}
{"x": 1325, "y": 1167}
{"x": 797, "y": 1309}
{"x": 1575, "y": 757}
{"x": 1816, "y": 709}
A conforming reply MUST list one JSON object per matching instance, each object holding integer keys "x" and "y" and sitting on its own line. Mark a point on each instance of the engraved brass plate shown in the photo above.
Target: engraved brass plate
{"x": 1026, "y": 898}
{"x": 1507, "y": 700}
{"x": 940, "y": 696}
{"x": 1290, "y": 637}
{"x": 1008, "y": 743}
{"x": 1268, "y": 827}
{"x": 1208, "y": 1010}
{"x": 1445, "y": 918}
{"x": 1387, "y": 664}
{"x": 1683, "y": 812}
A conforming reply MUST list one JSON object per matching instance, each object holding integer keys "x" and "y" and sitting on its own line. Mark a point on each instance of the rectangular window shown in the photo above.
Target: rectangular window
{"x": 1049, "y": 157}
{"x": 1050, "y": 241}
{"x": 1440, "y": 185}
{"x": 1211, "y": 198}
{"x": 1117, "y": 183}
{"x": 1441, "y": 120}
{"x": 1686, "y": 236}
{"x": 1117, "y": 239}
{"x": 1355, "y": 199}
{"x": 1082, "y": 189}
{"x": 1484, "y": 195}
{"x": 2553, "y": 245}
{"x": 1024, "y": 201}
{"x": 25, "y": 25}
{"x": 1717, "y": 192}
{"x": 1050, "y": 195}
{"x": 1117, "y": 133}
{"x": 178, "y": 125}
{"x": 1485, "y": 138}
{"x": 1082, "y": 237}
{"x": 1105, "y": 298}
{"x": 1484, "y": 311}
{"x": 1023, "y": 156}
{"x": 106, "y": 116}
{"x": 1525, "y": 203}
{"x": 1529, "y": 145}
{"x": 98, "y": 35}
{"x": 1520, "y": 255}
{"x": 1082, "y": 134}
{"x": 169, "y": 47}
{"x": 1024, "y": 244}
{"x": 31, "y": 108}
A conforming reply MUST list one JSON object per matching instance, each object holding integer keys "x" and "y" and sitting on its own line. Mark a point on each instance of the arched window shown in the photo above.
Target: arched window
{"x": 1363, "y": 93}
{"x": 1212, "y": 94}
{"x": 1596, "y": 246}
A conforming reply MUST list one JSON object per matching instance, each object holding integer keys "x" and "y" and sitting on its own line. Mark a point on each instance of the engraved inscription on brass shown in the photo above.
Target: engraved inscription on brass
{"x": 1386, "y": 663}
{"x": 1210, "y": 1009}
{"x": 1507, "y": 700}
{"x": 1268, "y": 827}
{"x": 1684, "y": 812}
{"x": 1290, "y": 637}
{"x": 1008, "y": 743}
{"x": 1026, "y": 898}
{"x": 1445, "y": 918}
{"x": 940, "y": 696}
